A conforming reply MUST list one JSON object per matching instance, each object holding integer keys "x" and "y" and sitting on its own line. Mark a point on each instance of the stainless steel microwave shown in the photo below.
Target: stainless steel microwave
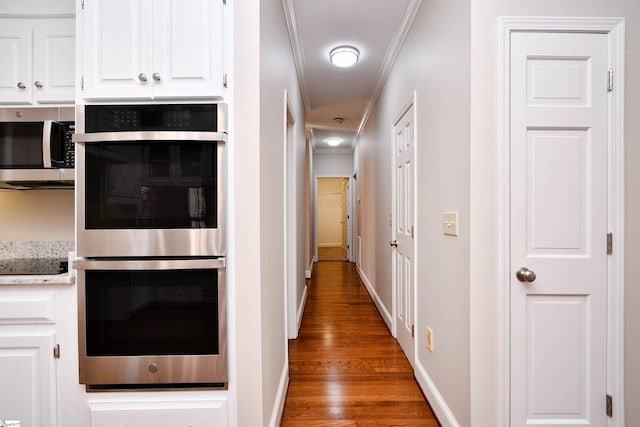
{"x": 36, "y": 145}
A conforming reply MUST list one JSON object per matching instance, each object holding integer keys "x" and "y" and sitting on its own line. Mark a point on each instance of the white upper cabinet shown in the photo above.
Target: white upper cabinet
{"x": 153, "y": 49}
{"x": 38, "y": 61}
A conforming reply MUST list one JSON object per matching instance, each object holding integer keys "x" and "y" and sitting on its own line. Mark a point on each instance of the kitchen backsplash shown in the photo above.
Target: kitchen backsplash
{"x": 36, "y": 249}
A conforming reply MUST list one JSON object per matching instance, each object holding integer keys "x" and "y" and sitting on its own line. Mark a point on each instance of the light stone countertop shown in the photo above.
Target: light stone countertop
{"x": 38, "y": 249}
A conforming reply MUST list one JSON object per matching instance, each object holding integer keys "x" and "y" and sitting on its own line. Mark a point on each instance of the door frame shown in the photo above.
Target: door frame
{"x": 293, "y": 318}
{"x": 350, "y": 222}
{"x": 615, "y": 29}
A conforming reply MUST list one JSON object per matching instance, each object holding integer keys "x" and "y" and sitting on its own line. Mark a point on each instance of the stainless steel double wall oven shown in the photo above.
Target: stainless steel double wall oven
{"x": 150, "y": 192}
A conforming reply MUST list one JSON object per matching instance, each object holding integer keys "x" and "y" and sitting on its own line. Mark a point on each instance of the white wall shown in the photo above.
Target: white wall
{"x": 434, "y": 62}
{"x": 484, "y": 403}
{"x": 336, "y": 164}
{"x": 263, "y": 70}
{"x": 36, "y": 215}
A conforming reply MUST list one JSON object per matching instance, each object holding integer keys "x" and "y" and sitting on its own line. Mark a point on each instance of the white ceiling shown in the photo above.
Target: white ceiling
{"x": 375, "y": 27}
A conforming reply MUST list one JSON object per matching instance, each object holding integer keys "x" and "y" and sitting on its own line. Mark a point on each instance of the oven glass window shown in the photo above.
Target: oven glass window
{"x": 155, "y": 184}
{"x": 143, "y": 313}
{"x": 21, "y": 145}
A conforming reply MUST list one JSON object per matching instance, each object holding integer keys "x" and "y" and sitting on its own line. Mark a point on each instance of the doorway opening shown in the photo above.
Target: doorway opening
{"x": 333, "y": 219}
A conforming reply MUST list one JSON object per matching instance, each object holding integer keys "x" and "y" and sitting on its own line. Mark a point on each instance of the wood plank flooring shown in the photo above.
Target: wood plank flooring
{"x": 332, "y": 253}
{"x": 345, "y": 367}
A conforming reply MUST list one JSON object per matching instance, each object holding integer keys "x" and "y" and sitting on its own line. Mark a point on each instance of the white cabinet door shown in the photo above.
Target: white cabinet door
{"x": 16, "y": 53}
{"x": 38, "y": 61}
{"x": 143, "y": 49}
{"x": 54, "y": 61}
{"x": 187, "y": 48}
{"x": 117, "y": 49}
{"x": 27, "y": 369}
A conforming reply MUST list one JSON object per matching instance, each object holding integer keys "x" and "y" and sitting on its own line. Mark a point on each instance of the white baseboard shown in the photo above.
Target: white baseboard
{"x": 384, "y": 313}
{"x": 301, "y": 308}
{"x": 437, "y": 402}
{"x": 281, "y": 397}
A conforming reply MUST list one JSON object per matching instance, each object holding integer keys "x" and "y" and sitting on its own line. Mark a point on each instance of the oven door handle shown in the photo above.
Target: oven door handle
{"x": 151, "y": 264}
{"x": 149, "y": 136}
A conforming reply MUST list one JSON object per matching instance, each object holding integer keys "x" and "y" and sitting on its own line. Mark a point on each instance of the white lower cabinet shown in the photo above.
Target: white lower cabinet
{"x": 28, "y": 372}
{"x": 28, "y": 367}
{"x": 158, "y": 412}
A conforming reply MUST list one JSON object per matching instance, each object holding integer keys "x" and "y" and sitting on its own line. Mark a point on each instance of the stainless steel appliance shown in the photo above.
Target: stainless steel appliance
{"x": 151, "y": 180}
{"x": 152, "y": 323}
{"x": 36, "y": 145}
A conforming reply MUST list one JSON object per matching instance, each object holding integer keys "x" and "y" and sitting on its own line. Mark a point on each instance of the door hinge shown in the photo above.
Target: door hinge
{"x": 610, "y": 80}
{"x": 609, "y": 243}
{"x": 224, "y": 80}
{"x": 609, "y": 406}
{"x": 82, "y": 83}
{"x": 56, "y": 351}
{"x": 412, "y": 231}
{"x": 82, "y": 4}
{"x": 413, "y": 331}
{"x": 224, "y": 2}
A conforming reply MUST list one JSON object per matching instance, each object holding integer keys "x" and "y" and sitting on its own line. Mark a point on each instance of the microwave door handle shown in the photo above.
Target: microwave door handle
{"x": 46, "y": 143}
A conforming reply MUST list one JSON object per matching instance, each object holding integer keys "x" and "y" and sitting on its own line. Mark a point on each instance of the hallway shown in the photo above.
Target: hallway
{"x": 345, "y": 368}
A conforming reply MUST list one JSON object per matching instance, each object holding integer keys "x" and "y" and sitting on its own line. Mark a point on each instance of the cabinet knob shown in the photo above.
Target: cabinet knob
{"x": 21, "y": 85}
{"x": 38, "y": 83}
{"x": 142, "y": 77}
{"x": 156, "y": 77}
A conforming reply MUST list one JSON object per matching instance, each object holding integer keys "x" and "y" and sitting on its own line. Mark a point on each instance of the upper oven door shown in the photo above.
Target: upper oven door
{"x": 155, "y": 193}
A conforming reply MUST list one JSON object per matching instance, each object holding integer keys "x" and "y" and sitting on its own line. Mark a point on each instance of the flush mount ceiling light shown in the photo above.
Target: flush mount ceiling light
{"x": 344, "y": 56}
{"x": 333, "y": 141}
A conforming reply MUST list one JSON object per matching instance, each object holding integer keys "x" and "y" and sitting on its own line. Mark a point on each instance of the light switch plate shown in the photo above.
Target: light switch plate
{"x": 450, "y": 223}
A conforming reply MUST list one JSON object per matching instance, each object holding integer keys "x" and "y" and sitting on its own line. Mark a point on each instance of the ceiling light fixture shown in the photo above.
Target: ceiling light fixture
{"x": 344, "y": 56}
{"x": 333, "y": 141}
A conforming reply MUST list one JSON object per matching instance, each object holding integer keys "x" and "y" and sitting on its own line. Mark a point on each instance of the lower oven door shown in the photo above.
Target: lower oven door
{"x": 155, "y": 322}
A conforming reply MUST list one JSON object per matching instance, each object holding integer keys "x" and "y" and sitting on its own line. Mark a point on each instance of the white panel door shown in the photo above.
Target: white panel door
{"x": 187, "y": 48}
{"x": 54, "y": 61}
{"x": 117, "y": 49}
{"x": 27, "y": 370}
{"x": 559, "y": 146}
{"x": 16, "y": 53}
{"x": 403, "y": 230}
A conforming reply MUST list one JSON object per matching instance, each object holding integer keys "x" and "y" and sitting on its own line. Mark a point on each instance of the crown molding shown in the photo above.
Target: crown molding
{"x": 296, "y": 47}
{"x": 389, "y": 60}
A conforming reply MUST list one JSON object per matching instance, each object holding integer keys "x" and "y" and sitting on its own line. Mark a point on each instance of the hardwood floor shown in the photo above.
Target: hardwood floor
{"x": 345, "y": 367}
{"x": 332, "y": 253}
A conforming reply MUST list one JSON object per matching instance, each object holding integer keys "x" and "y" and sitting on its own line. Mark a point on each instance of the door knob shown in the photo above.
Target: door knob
{"x": 525, "y": 275}
{"x": 393, "y": 243}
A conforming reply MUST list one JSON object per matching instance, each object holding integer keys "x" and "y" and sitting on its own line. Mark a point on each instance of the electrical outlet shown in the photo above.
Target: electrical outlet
{"x": 429, "y": 339}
